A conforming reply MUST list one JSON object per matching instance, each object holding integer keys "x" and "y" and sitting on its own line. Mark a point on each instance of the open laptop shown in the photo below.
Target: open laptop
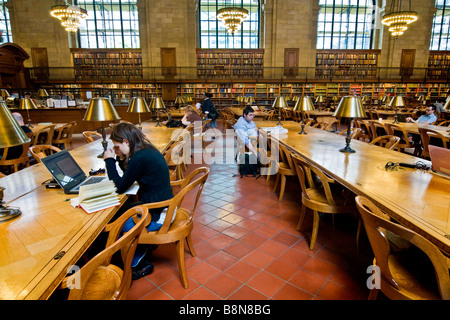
{"x": 66, "y": 171}
{"x": 440, "y": 160}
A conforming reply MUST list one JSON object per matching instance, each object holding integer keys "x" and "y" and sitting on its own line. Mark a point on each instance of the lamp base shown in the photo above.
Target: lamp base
{"x": 303, "y": 129}
{"x": 7, "y": 214}
{"x": 347, "y": 149}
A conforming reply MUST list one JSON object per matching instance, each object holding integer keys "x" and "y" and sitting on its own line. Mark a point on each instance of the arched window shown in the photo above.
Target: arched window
{"x": 345, "y": 24}
{"x": 214, "y": 35}
{"x": 5, "y": 25}
{"x": 110, "y": 24}
{"x": 441, "y": 26}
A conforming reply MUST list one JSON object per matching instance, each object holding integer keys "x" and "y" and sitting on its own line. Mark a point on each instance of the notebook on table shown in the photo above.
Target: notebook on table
{"x": 67, "y": 173}
{"x": 440, "y": 160}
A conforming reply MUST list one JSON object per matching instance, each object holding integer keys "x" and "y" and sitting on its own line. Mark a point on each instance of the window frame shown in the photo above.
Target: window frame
{"x": 221, "y": 34}
{"x": 5, "y": 20}
{"x": 119, "y": 35}
{"x": 439, "y": 36}
{"x": 358, "y": 37}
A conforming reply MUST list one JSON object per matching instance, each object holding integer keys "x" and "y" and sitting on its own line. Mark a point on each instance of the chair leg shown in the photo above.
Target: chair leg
{"x": 315, "y": 230}
{"x": 373, "y": 294}
{"x": 190, "y": 246}
{"x": 282, "y": 187}
{"x": 181, "y": 265}
{"x": 276, "y": 182}
{"x": 301, "y": 218}
{"x": 358, "y": 233}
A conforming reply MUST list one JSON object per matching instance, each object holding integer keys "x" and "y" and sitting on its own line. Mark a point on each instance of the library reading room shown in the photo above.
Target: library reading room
{"x": 225, "y": 150}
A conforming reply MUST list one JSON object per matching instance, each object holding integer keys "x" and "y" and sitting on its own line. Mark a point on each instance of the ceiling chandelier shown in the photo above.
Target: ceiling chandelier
{"x": 70, "y": 16}
{"x": 397, "y": 20}
{"x": 232, "y": 17}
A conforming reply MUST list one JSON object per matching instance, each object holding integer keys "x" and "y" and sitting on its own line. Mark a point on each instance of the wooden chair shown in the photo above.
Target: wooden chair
{"x": 356, "y": 133}
{"x": 377, "y": 129}
{"x": 402, "y": 274}
{"x": 2, "y": 175}
{"x": 393, "y": 129}
{"x": 63, "y": 135}
{"x": 22, "y": 159}
{"x": 98, "y": 278}
{"x": 425, "y": 137}
{"x": 388, "y": 141}
{"x": 366, "y": 134}
{"x": 44, "y": 135}
{"x": 175, "y": 158}
{"x": 444, "y": 123}
{"x": 327, "y": 196}
{"x": 285, "y": 168}
{"x": 41, "y": 151}
{"x": 89, "y": 136}
{"x": 180, "y": 229}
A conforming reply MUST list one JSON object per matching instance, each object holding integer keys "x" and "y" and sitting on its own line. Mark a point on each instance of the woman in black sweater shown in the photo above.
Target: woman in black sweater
{"x": 140, "y": 161}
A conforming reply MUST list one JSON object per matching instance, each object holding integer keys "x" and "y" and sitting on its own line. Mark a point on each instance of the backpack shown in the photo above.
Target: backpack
{"x": 214, "y": 113}
{"x": 250, "y": 165}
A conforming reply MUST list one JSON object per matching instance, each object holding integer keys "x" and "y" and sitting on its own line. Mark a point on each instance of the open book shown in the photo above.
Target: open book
{"x": 98, "y": 196}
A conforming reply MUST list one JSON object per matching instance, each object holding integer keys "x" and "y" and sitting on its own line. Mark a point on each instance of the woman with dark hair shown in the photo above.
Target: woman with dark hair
{"x": 140, "y": 161}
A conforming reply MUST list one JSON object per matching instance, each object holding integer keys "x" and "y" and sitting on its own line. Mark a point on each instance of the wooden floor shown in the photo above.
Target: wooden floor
{"x": 247, "y": 248}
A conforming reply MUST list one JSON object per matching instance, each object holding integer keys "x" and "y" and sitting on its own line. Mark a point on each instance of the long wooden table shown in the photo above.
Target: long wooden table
{"x": 38, "y": 247}
{"x": 414, "y": 127}
{"x": 417, "y": 199}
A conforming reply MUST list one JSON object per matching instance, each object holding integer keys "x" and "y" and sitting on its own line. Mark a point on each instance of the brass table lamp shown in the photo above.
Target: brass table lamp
{"x": 4, "y": 94}
{"x": 396, "y": 102}
{"x": 349, "y": 107}
{"x": 303, "y": 104}
{"x": 138, "y": 105}
{"x": 42, "y": 95}
{"x": 279, "y": 103}
{"x": 27, "y": 104}
{"x": 157, "y": 104}
{"x": 320, "y": 100}
{"x": 249, "y": 99}
{"x": 101, "y": 109}
{"x": 180, "y": 100}
{"x": 12, "y": 135}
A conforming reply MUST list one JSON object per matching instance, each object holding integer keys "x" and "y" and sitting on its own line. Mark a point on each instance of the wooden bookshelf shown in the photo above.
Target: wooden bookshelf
{"x": 228, "y": 63}
{"x": 110, "y": 64}
{"x": 438, "y": 65}
{"x": 347, "y": 64}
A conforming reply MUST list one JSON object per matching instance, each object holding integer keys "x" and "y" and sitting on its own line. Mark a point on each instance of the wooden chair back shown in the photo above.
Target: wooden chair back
{"x": 175, "y": 157}
{"x": 63, "y": 135}
{"x": 396, "y": 282}
{"x": 366, "y": 133}
{"x": 355, "y": 133}
{"x": 179, "y": 230}
{"x": 22, "y": 159}
{"x": 89, "y": 136}
{"x": 394, "y": 129}
{"x": 377, "y": 129}
{"x": 425, "y": 137}
{"x": 41, "y": 151}
{"x": 98, "y": 278}
{"x": 44, "y": 135}
{"x": 388, "y": 141}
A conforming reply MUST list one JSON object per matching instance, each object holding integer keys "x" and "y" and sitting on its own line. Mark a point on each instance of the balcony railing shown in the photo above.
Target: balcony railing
{"x": 275, "y": 74}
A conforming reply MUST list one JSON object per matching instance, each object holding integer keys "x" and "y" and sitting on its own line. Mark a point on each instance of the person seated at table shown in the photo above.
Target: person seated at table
{"x": 16, "y": 151}
{"x": 190, "y": 116}
{"x": 439, "y": 106}
{"x": 428, "y": 118}
{"x": 140, "y": 162}
{"x": 245, "y": 128}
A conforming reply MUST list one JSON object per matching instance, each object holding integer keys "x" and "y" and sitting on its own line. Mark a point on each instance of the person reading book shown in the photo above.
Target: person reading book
{"x": 140, "y": 162}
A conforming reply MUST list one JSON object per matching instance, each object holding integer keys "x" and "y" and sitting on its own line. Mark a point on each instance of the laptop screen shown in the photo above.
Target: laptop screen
{"x": 64, "y": 169}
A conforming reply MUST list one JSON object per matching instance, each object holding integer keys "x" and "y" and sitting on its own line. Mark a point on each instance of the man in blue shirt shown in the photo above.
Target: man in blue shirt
{"x": 245, "y": 128}
{"x": 428, "y": 118}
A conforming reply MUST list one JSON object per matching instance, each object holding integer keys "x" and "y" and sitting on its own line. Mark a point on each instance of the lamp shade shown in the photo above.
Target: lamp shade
{"x": 421, "y": 98}
{"x": 397, "y": 101}
{"x": 320, "y": 99}
{"x": 249, "y": 99}
{"x": 101, "y": 109}
{"x": 304, "y": 104}
{"x": 447, "y": 105}
{"x": 10, "y": 131}
{"x": 365, "y": 98}
{"x": 279, "y": 102}
{"x": 138, "y": 105}
{"x": 157, "y": 103}
{"x": 350, "y": 107}
{"x": 4, "y": 93}
{"x": 27, "y": 104}
{"x": 42, "y": 93}
{"x": 179, "y": 100}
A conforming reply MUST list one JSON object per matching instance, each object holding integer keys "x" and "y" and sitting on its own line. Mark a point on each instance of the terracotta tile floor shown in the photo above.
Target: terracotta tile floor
{"x": 247, "y": 248}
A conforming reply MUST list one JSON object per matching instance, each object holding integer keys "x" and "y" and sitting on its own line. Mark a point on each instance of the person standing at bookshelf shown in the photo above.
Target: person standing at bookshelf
{"x": 209, "y": 110}
{"x": 140, "y": 162}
